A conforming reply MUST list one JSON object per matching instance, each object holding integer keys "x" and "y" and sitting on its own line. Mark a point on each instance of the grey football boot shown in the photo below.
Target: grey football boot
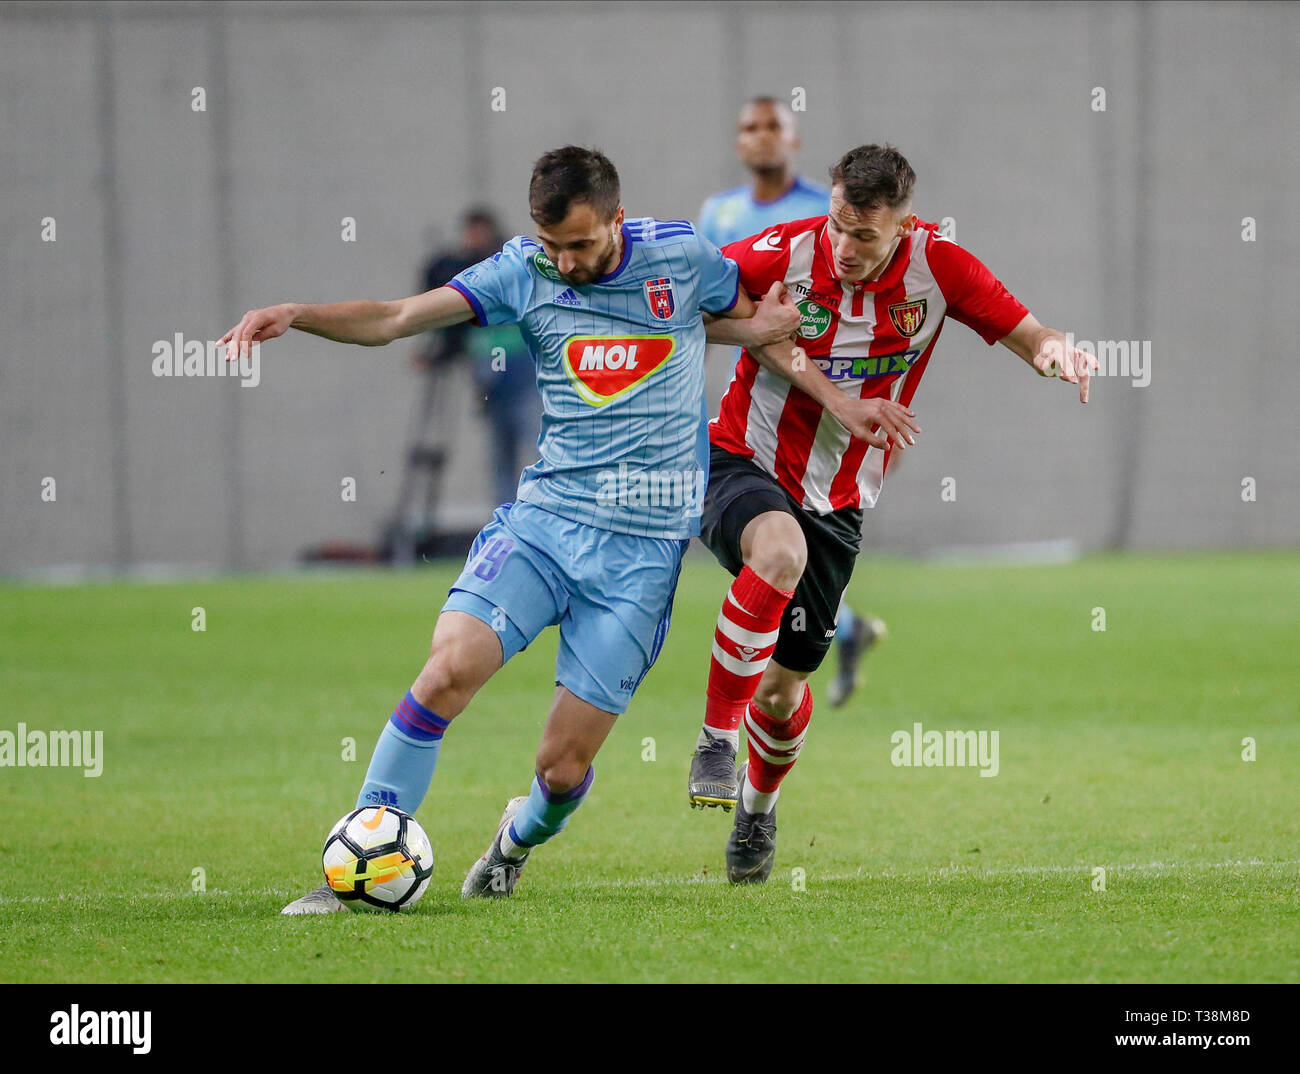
{"x": 494, "y": 875}
{"x": 712, "y": 781}
{"x": 320, "y": 900}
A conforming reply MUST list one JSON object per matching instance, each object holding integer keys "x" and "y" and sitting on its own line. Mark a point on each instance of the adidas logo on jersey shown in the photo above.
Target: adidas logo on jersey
{"x": 567, "y": 297}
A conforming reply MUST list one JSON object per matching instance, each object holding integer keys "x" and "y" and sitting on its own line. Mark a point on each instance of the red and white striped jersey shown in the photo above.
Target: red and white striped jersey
{"x": 872, "y": 338}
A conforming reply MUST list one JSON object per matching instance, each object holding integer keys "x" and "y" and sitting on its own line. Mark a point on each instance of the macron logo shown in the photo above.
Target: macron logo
{"x": 768, "y": 242}
{"x": 567, "y": 298}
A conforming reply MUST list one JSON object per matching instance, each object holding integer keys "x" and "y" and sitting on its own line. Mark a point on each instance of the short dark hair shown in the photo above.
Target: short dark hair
{"x": 572, "y": 174}
{"x": 874, "y": 175}
{"x": 777, "y": 104}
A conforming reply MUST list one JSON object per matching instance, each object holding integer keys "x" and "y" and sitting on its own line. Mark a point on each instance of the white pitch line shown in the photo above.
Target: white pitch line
{"x": 717, "y": 878}
{"x": 955, "y": 870}
{"x": 96, "y": 896}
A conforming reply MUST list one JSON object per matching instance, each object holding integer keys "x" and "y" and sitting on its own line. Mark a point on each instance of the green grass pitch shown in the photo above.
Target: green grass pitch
{"x": 1121, "y": 750}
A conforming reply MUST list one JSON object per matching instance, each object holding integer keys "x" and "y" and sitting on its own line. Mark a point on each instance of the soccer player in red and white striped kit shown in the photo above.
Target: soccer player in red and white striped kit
{"x": 788, "y": 483}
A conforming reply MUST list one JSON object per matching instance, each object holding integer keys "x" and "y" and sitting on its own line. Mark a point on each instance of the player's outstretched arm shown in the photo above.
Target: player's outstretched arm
{"x": 1050, "y": 354}
{"x": 367, "y": 323}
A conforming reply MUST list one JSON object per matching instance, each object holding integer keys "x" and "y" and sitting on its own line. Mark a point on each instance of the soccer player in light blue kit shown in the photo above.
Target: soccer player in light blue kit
{"x": 611, "y": 312}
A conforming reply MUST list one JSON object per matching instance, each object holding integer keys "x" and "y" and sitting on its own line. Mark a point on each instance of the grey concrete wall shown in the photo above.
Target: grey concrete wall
{"x": 1123, "y": 224}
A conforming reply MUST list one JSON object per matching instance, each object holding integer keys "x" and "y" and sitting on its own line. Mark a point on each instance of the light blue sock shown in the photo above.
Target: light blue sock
{"x": 405, "y": 756}
{"x": 843, "y": 621}
{"x": 544, "y": 815}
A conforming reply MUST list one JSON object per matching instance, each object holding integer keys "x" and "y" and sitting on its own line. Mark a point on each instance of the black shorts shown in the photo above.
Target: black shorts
{"x": 738, "y": 492}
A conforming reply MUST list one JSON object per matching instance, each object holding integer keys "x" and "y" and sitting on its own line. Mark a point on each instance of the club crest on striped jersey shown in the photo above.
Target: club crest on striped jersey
{"x": 659, "y": 293}
{"x": 602, "y": 368}
{"x": 909, "y": 316}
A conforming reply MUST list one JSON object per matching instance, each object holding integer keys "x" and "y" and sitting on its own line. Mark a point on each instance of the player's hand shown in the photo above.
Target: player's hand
{"x": 777, "y": 317}
{"x": 1055, "y": 358}
{"x": 880, "y": 422}
{"x": 257, "y": 326}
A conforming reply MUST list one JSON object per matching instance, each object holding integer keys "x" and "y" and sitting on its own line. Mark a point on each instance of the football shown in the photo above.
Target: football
{"x": 377, "y": 858}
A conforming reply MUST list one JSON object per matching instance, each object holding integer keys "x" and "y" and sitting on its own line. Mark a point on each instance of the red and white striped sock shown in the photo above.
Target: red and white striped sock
{"x": 742, "y": 645}
{"x": 774, "y": 746}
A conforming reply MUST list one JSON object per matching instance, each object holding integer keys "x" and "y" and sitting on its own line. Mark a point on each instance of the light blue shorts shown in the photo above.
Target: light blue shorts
{"x": 610, "y": 593}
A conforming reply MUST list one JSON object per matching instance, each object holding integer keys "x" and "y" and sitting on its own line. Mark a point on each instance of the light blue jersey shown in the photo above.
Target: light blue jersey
{"x": 620, "y": 365}
{"x": 734, "y": 214}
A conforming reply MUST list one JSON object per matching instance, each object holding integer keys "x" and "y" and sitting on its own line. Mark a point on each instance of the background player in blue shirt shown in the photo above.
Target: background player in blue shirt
{"x": 611, "y": 312}
{"x": 767, "y": 140}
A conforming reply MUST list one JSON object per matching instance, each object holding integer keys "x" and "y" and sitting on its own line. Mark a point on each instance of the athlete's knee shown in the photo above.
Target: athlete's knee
{"x": 464, "y": 654}
{"x": 561, "y": 772}
{"x": 446, "y": 682}
{"x": 779, "y": 695}
{"x": 778, "y": 553}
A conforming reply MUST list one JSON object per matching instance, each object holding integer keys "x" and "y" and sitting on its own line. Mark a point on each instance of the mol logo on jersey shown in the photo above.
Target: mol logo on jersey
{"x": 881, "y": 365}
{"x": 604, "y": 367}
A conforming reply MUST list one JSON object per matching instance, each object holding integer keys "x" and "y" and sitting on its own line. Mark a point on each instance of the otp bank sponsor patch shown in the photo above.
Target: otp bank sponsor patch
{"x": 604, "y": 367}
